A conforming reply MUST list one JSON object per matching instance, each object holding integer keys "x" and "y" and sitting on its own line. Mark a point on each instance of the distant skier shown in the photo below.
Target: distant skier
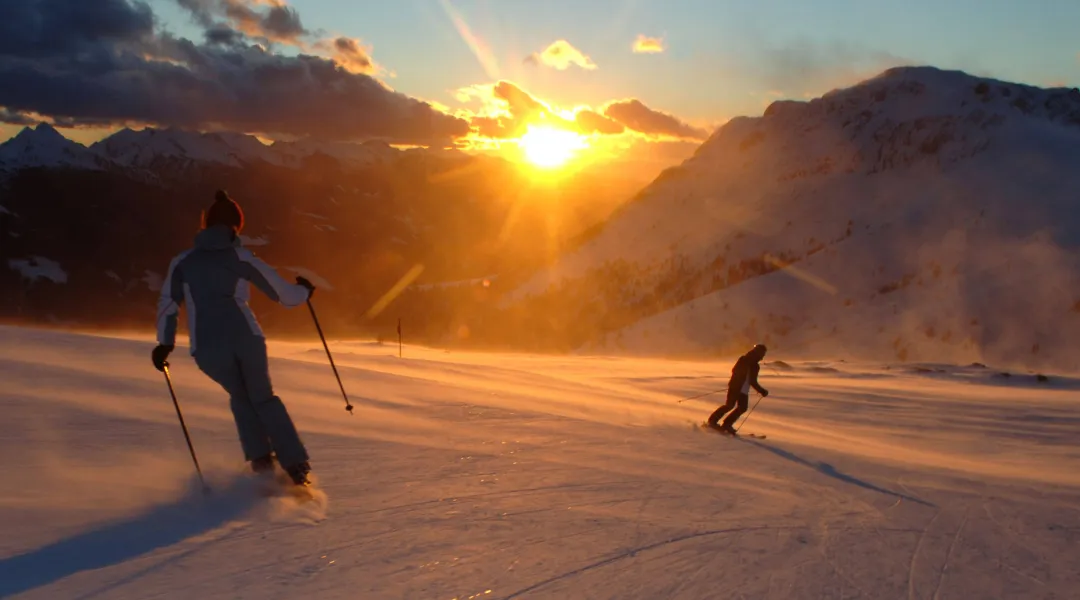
{"x": 213, "y": 279}
{"x": 743, "y": 377}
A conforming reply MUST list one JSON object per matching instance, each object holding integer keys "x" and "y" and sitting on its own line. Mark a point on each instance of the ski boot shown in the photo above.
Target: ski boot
{"x": 299, "y": 473}
{"x": 263, "y": 465}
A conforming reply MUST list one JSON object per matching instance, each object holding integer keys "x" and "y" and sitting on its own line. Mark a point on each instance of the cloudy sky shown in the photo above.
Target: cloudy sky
{"x": 476, "y": 72}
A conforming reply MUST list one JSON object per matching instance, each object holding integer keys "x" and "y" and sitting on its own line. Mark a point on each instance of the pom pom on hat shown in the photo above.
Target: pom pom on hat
{"x": 224, "y": 211}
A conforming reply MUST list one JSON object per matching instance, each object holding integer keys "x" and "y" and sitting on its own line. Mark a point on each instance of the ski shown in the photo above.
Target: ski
{"x": 707, "y": 427}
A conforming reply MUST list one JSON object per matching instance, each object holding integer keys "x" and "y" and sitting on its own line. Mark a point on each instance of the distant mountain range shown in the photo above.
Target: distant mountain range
{"x": 43, "y": 146}
{"x": 88, "y": 231}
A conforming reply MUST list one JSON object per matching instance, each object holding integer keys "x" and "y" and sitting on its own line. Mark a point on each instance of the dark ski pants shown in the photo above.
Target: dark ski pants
{"x": 736, "y": 403}
{"x": 262, "y": 421}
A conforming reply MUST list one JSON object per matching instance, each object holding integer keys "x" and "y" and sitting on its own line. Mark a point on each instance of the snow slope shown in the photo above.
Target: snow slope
{"x": 918, "y": 174}
{"x": 515, "y": 476}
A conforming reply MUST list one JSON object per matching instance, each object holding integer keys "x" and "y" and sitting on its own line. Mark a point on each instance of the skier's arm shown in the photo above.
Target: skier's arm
{"x": 172, "y": 296}
{"x": 754, "y": 382}
{"x": 267, "y": 279}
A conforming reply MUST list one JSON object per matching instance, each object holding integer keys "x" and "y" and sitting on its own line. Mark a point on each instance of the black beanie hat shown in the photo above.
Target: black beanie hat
{"x": 224, "y": 211}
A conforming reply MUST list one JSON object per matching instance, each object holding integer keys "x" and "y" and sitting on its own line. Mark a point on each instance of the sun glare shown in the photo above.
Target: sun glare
{"x": 548, "y": 148}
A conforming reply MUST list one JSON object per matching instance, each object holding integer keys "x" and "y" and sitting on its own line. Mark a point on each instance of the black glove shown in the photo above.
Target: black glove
{"x": 764, "y": 393}
{"x": 304, "y": 282}
{"x": 159, "y": 356}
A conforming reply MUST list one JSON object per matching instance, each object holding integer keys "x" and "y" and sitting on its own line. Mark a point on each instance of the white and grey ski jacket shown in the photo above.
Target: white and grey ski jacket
{"x": 212, "y": 279}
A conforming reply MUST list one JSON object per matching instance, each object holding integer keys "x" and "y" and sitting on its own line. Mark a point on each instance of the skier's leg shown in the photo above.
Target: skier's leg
{"x": 741, "y": 403}
{"x": 719, "y": 412}
{"x": 255, "y": 368}
{"x": 220, "y": 365}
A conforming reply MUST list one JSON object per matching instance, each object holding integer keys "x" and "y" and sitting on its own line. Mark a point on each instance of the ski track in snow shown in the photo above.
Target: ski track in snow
{"x": 471, "y": 475}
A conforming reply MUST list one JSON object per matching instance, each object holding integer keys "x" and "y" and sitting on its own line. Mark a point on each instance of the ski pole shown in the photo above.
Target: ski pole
{"x": 698, "y": 396}
{"x": 176, "y": 403}
{"x": 760, "y": 398}
{"x": 348, "y": 406}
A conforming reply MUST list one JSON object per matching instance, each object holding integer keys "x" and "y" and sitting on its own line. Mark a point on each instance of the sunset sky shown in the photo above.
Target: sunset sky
{"x": 616, "y": 73}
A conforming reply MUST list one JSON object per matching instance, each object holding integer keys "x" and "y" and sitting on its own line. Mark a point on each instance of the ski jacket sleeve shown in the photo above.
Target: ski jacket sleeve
{"x": 754, "y": 369}
{"x": 172, "y": 296}
{"x": 267, "y": 279}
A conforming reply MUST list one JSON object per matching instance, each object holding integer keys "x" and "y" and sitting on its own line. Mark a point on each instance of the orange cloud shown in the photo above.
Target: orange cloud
{"x": 272, "y": 20}
{"x": 507, "y": 110}
{"x": 590, "y": 121}
{"x": 648, "y": 45}
{"x": 635, "y": 115}
{"x": 561, "y": 55}
{"x": 234, "y": 22}
{"x": 521, "y": 103}
{"x": 348, "y": 53}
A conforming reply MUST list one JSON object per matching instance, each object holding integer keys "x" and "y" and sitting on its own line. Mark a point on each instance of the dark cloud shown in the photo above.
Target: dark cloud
{"x": 273, "y": 21}
{"x": 278, "y": 23}
{"x": 202, "y": 11}
{"x": 636, "y": 116}
{"x": 124, "y": 71}
{"x": 48, "y": 28}
{"x": 593, "y": 122}
{"x": 223, "y": 35}
{"x": 15, "y": 118}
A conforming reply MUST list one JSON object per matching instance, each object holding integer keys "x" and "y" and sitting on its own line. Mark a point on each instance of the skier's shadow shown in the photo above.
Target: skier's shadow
{"x": 827, "y": 469}
{"x": 191, "y": 514}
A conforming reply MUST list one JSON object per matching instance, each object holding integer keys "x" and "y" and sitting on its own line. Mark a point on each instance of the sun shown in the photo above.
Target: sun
{"x": 549, "y": 148}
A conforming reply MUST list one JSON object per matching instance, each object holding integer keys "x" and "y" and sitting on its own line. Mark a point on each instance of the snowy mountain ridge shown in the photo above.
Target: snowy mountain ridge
{"x": 151, "y": 148}
{"x": 917, "y": 175}
{"x": 44, "y": 146}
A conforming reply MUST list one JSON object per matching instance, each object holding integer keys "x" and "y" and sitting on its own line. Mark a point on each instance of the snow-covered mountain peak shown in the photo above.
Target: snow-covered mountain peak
{"x": 357, "y": 154}
{"x": 42, "y": 133}
{"x": 918, "y": 172}
{"x": 915, "y": 92}
{"x": 44, "y": 146}
{"x": 147, "y": 147}
{"x": 902, "y": 117}
{"x": 151, "y": 148}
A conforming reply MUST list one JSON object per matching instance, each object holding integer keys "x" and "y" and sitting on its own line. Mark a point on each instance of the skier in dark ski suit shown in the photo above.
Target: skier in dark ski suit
{"x": 743, "y": 377}
{"x": 213, "y": 280}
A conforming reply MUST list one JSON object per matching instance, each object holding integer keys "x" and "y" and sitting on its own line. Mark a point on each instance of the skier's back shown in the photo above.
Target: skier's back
{"x": 212, "y": 279}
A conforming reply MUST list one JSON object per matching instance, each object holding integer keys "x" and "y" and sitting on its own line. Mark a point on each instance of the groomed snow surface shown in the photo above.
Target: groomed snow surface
{"x": 513, "y": 476}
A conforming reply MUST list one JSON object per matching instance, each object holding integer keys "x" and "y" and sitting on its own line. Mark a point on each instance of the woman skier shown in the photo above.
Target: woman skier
{"x": 228, "y": 345}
